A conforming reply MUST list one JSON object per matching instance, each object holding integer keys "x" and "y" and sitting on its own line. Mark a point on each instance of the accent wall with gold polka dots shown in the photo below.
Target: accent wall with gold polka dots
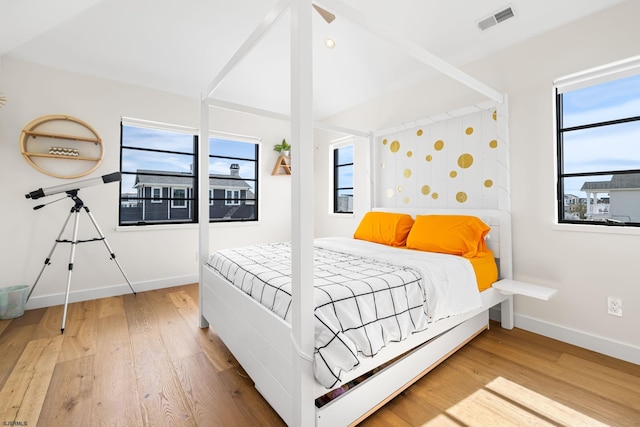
{"x": 455, "y": 163}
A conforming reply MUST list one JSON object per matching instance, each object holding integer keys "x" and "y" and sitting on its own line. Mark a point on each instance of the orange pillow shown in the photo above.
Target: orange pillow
{"x": 384, "y": 227}
{"x": 450, "y": 234}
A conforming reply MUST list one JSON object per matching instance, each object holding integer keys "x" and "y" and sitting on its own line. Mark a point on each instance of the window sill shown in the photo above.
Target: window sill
{"x": 156, "y": 227}
{"x": 341, "y": 215}
{"x": 603, "y": 229}
{"x": 194, "y": 226}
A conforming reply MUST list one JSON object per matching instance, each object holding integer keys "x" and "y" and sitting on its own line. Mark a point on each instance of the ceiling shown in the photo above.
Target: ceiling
{"x": 181, "y": 46}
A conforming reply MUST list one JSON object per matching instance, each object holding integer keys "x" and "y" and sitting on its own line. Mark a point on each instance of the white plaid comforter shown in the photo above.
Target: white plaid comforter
{"x": 362, "y": 302}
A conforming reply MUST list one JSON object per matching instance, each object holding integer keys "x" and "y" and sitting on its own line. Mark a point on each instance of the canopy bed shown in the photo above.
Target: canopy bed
{"x": 278, "y": 342}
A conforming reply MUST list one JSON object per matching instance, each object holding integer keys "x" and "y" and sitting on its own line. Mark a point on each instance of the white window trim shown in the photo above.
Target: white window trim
{"x": 130, "y": 121}
{"x": 339, "y": 143}
{"x": 593, "y": 76}
{"x": 153, "y": 199}
{"x": 230, "y": 201}
{"x": 173, "y": 198}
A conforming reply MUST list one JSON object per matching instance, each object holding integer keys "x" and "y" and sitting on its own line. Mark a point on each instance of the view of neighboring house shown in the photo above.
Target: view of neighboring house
{"x": 619, "y": 200}
{"x": 169, "y": 196}
{"x": 344, "y": 203}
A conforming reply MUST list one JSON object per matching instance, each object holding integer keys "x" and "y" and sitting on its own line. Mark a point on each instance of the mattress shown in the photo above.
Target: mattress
{"x": 366, "y": 294}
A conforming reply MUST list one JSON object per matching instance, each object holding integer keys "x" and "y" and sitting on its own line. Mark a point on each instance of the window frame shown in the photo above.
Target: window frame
{"x": 335, "y": 167}
{"x": 589, "y": 78}
{"x": 154, "y": 198}
{"x": 184, "y": 200}
{"x": 256, "y": 142}
{"x": 232, "y": 197}
{"x": 156, "y": 194}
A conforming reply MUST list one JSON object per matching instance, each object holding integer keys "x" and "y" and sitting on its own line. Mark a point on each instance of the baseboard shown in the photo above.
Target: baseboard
{"x": 111, "y": 291}
{"x": 599, "y": 344}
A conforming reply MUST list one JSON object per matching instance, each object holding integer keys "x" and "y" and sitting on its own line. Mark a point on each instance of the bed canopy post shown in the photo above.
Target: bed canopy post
{"x": 302, "y": 211}
{"x": 203, "y": 194}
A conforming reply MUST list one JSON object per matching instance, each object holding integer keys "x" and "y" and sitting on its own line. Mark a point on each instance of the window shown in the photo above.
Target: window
{"x": 156, "y": 195}
{"x": 598, "y": 146}
{"x": 233, "y": 197}
{"x": 179, "y": 198}
{"x": 157, "y": 165}
{"x": 233, "y": 171}
{"x": 343, "y": 179}
{"x": 159, "y": 176}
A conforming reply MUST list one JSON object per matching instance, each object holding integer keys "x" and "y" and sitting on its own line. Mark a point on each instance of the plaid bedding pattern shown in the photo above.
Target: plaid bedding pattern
{"x": 361, "y": 303}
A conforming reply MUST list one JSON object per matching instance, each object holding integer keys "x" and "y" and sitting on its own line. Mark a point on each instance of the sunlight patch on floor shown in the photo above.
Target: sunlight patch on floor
{"x": 505, "y": 403}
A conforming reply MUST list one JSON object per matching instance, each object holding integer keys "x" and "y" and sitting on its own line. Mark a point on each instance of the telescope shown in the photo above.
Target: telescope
{"x": 73, "y": 186}
{"x": 72, "y": 191}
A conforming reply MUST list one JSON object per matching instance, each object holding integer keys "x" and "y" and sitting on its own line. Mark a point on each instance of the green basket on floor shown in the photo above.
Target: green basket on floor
{"x": 12, "y": 301}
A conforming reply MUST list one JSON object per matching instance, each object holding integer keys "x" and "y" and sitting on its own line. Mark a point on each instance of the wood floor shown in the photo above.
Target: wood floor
{"x": 142, "y": 361}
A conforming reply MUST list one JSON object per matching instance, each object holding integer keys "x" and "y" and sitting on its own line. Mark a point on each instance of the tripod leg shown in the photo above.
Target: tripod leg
{"x": 113, "y": 256}
{"x": 46, "y": 261}
{"x": 74, "y": 243}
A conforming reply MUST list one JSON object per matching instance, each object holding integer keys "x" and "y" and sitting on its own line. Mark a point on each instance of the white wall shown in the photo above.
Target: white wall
{"x": 153, "y": 256}
{"x": 586, "y": 267}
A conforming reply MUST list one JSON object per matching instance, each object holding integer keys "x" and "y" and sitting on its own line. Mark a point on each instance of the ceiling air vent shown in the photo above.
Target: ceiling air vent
{"x": 496, "y": 18}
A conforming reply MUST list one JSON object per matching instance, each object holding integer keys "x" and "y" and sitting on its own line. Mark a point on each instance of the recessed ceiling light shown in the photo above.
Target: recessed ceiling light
{"x": 329, "y": 43}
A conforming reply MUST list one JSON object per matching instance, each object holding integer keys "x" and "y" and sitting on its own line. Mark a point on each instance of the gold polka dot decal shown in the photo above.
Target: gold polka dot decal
{"x": 419, "y": 133}
{"x": 406, "y": 200}
{"x": 407, "y": 173}
{"x": 389, "y": 193}
{"x": 495, "y": 115}
{"x": 425, "y": 190}
{"x": 461, "y": 197}
{"x": 434, "y": 196}
{"x": 409, "y": 153}
{"x": 493, "y": 143}
{"x": 438, "y": 145}
{"x": 399, "y": 189}
{"x": 428, "y": 158}
{"x": 395, "y": 146}
{"x": 469, "y": 131}
{"x": 385, "y": 141}
{"x": 488, "y": 183}
{"x": 465, "y": 160}
{"x": 453, "y": 174}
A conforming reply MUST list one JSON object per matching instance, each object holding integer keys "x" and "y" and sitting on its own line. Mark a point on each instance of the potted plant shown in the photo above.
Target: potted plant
{"x": 284, "y": 148}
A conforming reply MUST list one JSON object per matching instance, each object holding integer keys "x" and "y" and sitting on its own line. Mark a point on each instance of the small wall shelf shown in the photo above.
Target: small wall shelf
{"x": 283, "y": 166}
{"x": 514, "y": 287}
{"x": 33, "y": 145}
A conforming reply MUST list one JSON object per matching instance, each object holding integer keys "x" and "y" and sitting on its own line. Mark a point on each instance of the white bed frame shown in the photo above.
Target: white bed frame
{"x": 261, "y": 341}
{"x": 274, "y": 353}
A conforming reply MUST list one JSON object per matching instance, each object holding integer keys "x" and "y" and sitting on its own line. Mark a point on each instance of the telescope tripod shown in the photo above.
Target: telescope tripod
{"x": 75, "y": 211}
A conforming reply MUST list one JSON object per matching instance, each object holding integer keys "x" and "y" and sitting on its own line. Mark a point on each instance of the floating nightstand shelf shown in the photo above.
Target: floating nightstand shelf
{"x": 514, "y": 287}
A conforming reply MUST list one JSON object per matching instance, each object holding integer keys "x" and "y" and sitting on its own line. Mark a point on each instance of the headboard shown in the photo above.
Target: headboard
{"x": 498, "y": 239}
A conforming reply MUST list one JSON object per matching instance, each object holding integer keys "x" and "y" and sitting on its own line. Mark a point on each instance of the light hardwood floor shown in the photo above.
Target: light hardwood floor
{"x": 142, "y": 361}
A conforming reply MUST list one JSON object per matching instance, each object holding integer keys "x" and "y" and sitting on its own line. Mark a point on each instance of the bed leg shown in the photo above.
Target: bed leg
{"x": 506, "y": 313}
{"x": 203, "y": 322}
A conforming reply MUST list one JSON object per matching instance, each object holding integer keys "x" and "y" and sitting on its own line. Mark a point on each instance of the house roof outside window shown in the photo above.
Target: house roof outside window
{"x": 628, "y": 181}
{"x": 155, "y": 178}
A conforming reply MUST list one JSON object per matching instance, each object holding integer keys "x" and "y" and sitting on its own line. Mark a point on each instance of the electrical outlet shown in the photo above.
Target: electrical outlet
{"x": 614, "y": 306}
